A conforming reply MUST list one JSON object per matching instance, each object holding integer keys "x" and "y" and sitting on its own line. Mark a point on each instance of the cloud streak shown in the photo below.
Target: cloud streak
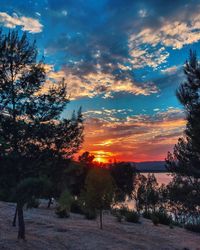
{"x": 139, "y": 137}
{"x": 148, "y": 47}
{"x": 28, "y": 24}
{"x": 97, "y": 84}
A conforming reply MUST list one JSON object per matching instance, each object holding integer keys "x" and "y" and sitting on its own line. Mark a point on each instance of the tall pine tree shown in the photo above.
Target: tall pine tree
{"x": 185, "y": 160}
{"x": 35, "y": 139}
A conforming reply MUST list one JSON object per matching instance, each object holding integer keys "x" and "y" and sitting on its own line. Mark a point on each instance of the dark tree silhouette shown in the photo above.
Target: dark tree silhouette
{"x": 124, "y": 175}
{"x": 185, "y": 159}
{"x": 36, "y": 139}
{"x": 99, "y": 191}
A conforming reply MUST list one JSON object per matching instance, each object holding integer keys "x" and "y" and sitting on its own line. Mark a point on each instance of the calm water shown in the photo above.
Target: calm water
{"x": 162, "y": 178}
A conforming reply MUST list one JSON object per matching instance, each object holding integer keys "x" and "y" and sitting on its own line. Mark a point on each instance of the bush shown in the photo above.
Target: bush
{"x": 119, "y": 217}
{"x": 155, "y": 219}
{"x": 193, "y": 227}
{"x": 33, "y": 203}
{"x": 123, "y": 210}
{"x": 76, "y": 207}
{"x": 90, "y": 214}
{"x": 147, "y": 215}
{"x": 62, "y": 213}
{"x": 64, "y": 206}
{"x": 163, "y": 218}
{"x": 132, "y": 216}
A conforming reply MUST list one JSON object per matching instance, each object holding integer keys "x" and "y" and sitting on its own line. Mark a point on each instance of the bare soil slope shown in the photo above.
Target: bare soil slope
{"x": 47, "y": 232}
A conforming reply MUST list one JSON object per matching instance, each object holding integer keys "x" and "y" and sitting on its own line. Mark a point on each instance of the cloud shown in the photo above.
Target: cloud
{"x": 97, "y": 83}
{"x": 28, "y": 24}
{"x": 151, "y": 57}
{"x": 128, "y": 136}
{"x": 170, "y": 70}
{"x": 123, "y": 35}
{"x": 148, "y": 46}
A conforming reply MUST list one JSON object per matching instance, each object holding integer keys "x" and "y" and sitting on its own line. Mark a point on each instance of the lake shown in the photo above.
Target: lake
{"x": 162, "y": 178}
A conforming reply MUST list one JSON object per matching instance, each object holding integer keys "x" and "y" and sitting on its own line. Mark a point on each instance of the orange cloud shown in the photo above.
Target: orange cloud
{"x": 98, "y": 83}
{"x": 134, "y": 138}
{"x": 148, "y": 47}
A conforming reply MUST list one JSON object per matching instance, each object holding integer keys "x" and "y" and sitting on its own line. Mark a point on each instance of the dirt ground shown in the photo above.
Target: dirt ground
{"x": 44, "y": 231}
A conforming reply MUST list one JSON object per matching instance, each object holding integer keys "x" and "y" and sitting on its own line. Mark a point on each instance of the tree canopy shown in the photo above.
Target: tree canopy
{"x": 36, "y": 140}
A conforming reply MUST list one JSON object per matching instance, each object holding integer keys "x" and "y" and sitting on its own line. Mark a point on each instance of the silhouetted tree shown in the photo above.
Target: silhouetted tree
{"x": 124, "y": 176}
{"x": 99, "y": 190}
{"x": 185, "y": 159}
{"x": 146, "y": 193}
{"x": 36, "y": 140}
{"x": 151, "y": 196}
{"x": 26, "y": 190}
{"x": 87, "y": 159}
{"x": 139, "y": 191}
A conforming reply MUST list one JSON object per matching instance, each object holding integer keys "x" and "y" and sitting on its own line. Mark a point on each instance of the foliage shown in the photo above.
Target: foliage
{"x": 132, "y": 216}
{"x": 147, "y": 215}
{"x": 184, "y": 162}
{"x": 87, "y": 159}
{"x": 90, "y": 214}
{"x": 36, "y": 141}
{"x": 123, "y": 210}
{"x": 118, "y": 216}
{"x": 163, "y": 217}
{"x": 193, "y": 227}
{"x": 124, "y": 175}
{"x": 155, "y": 219}
{"x": 29, "y": 189}
{"x": 62, "y": 213}
{"x": 99, "y": 191}
{"x": 146, "y": 192}
{"x": 64, "y": 204}
{"x": 76, "y": 207}
{"x": 33, "y": 203}
{"x": 77, "y": 171}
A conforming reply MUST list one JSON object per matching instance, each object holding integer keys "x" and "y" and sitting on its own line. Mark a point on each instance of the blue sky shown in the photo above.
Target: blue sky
{"x": 122, "y": 61}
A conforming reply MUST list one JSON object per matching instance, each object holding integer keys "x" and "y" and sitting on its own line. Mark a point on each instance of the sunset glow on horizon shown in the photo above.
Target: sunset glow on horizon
{"x": 122, "y": 62}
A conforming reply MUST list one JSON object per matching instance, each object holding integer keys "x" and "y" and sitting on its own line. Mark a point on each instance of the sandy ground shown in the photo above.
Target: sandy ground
{"x": 47, "y": 232}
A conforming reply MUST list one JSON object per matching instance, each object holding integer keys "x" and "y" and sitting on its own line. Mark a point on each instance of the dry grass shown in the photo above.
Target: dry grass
{"x": 45, "y": 232}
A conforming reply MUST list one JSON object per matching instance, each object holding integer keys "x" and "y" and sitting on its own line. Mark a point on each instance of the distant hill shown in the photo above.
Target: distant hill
{"x": 151, "y": 166}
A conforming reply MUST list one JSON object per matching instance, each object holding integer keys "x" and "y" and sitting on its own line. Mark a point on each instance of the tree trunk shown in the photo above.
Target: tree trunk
{"x": 49, "y": 203}
{"x": 21, "y": 229}
{"x": 100, "y": 217}
{"x": 15, "y": 217}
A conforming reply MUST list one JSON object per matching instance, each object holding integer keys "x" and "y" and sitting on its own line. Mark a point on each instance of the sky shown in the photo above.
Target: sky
{"x": 122, "y": 61}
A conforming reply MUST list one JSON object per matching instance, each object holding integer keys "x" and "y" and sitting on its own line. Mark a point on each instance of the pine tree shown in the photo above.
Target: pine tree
{"x": 37, "y": 140}
{"x": 99, "y": 191}
{"x": 185, "y": 160}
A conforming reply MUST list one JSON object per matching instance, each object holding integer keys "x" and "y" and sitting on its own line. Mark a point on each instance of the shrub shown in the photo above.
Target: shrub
{"x": 119, "y": 217}
{"x": 193, "y": 227}
{"x": 132, "y": 216}
{"x": 62, "y": 213}
{"x": 64, "y": 206}
{"x": 33, "y": 203}
{"x": 147, "y": 215}
{"x": 177, "y": 224}
{"x": 123, "y": 210}
{"x": 163, "y": 218}
{"x": 114, "y": 211}
{"x": 90, "y": 214}
{"x": 155, "y": 219}
{"x": 76, "y": 207}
